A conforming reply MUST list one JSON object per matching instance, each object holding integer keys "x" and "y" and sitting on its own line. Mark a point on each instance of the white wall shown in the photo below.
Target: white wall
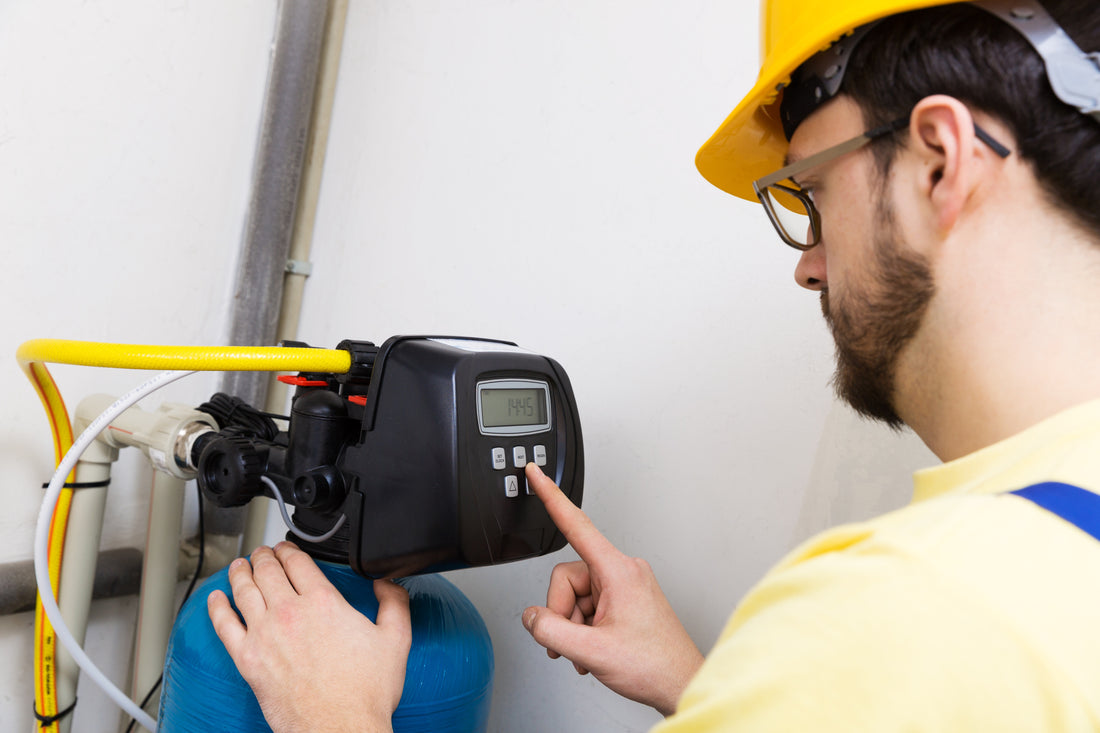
{"x": 518, "y": 170}
{"x": 127, "y": 131}
{"x": 524, "y": 171}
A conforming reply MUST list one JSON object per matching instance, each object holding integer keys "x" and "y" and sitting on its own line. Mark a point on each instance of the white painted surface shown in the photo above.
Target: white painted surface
{"x": 524, "y": 171}
{"x": 127, "y": 132}
{"x": 516, "y": 170}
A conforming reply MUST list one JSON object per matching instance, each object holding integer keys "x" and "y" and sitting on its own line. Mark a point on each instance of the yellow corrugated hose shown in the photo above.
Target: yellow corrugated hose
{"x": 195, "y": 358}
{"x": 32, "y": 357}
{"x": 45, "y": 643}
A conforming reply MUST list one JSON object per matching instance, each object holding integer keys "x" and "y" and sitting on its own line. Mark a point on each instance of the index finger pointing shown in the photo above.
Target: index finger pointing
{"x": 568, "y": 517}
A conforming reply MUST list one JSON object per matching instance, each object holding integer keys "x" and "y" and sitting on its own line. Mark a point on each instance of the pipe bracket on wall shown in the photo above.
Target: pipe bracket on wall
{"x": 298, "y": 267}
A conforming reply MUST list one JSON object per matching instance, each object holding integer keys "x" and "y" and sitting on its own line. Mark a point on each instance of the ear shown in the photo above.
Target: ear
{"x": 950, "y": 157}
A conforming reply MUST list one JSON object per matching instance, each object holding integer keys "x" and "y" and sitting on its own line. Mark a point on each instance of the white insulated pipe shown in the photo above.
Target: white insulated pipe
{"x": 162, "y": 435}
{"x": 159, "y": 582}
{"x": 82, "y": 535}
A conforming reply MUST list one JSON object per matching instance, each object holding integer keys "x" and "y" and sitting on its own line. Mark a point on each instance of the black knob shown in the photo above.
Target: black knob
{"x": 230, "y": 468}
{"x": 319, "y": 489}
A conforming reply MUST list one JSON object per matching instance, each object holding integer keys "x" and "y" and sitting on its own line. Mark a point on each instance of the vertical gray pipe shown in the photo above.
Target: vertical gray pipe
{"x": 276, "y": 179}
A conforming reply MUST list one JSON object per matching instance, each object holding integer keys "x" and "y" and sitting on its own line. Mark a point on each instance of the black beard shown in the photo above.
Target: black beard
{"x": 871, "y": 328}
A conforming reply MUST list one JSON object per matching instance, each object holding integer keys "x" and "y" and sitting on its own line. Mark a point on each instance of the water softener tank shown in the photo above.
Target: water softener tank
{"x": 448, "y": 681}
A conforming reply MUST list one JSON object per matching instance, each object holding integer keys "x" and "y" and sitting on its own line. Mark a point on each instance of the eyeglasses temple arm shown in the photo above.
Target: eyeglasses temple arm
{"x": 995, "y": 146}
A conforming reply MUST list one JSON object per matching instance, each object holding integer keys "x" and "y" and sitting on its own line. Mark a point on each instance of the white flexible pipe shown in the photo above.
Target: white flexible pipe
{"x": 42, "y": 536}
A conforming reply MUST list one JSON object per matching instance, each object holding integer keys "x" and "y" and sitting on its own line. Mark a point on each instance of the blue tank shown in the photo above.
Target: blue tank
{"x": 448, "y": 681}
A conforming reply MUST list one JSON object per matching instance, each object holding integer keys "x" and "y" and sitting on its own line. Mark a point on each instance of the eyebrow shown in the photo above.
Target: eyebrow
{"x": 790, "y": 159}
{"x": 793, "y": 160}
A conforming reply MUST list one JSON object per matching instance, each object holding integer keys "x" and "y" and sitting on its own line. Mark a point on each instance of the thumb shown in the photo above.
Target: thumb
{"x": 560, "y": 635}
{"x": 393, "y": 607}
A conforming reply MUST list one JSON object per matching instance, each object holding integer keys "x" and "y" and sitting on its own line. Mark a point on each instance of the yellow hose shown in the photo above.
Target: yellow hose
{"x": 45, "y": 641}
{"x": 32, "y": 357}
{"x": 196, "y": 358}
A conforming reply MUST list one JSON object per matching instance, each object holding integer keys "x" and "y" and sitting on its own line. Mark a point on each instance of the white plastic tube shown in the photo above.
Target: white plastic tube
{"x": 41, "y": 544}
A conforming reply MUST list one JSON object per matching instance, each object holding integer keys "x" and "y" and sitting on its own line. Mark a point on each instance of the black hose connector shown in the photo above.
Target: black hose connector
{"x": 230, "y": 467}
{"x": 363, "y": 354}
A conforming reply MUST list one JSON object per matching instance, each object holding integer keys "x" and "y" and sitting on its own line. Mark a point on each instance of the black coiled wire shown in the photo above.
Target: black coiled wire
{"x": 233, "y": 412}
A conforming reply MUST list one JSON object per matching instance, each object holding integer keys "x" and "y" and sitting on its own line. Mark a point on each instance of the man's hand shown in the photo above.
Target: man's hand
{"x": 607, "y": 615}
{"x": 314, "y": 662}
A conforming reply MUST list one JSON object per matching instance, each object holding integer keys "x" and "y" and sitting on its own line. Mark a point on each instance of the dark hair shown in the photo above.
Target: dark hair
{"x": 964, "y": 52}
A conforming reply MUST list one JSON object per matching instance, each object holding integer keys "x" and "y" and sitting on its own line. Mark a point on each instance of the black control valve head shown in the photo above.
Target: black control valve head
{"x": 230, "y": 467}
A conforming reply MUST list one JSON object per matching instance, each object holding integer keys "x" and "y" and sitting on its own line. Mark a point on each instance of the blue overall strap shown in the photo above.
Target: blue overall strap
{"x": 1071, "y": 503}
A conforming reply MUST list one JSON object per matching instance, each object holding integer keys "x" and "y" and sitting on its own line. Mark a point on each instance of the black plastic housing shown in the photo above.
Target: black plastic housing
{"x": 396, "y": 446}
{"x": 423, "y": 493}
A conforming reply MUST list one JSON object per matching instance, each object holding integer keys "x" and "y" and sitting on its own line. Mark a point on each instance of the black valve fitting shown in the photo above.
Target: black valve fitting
{"x": 230, "y": 467}
{"x": 321, "y": 489}
{"x": 363, "y": 354}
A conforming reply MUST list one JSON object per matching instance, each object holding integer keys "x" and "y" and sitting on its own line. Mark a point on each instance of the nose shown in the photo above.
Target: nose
{"x": 810, "y": 271}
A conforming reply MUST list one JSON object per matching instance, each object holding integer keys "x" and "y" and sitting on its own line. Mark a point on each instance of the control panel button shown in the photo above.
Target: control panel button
{"x": 499, "y": 462}
{"x": 540, "y": 455}
{"x": 519, "y": 456}
{"x": 530, "y": 491}
{"x": 511, "y": 486}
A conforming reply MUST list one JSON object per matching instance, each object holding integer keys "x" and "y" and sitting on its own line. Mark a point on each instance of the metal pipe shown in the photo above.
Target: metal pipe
{"x": 276, "y": 180}
{"x": 301, "y": 241}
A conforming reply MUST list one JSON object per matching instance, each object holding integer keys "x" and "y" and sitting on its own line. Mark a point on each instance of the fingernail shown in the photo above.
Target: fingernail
{"x": 529, "y": 618}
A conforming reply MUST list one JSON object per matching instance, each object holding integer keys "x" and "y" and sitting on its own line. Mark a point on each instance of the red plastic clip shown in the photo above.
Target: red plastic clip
{"x": 294, "y": 381}
{"x": 359, "y": 399}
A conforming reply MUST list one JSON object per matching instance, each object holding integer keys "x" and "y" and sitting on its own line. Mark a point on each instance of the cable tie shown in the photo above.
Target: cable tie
{"x": 48, "y": 720}
{"x": 82, "y": 484}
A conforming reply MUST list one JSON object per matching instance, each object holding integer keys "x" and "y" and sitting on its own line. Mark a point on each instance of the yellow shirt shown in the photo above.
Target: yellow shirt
{"x": 964, "y": 611}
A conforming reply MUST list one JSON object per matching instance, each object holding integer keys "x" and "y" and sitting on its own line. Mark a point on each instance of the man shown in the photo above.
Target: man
{"x": 941, "y": 195}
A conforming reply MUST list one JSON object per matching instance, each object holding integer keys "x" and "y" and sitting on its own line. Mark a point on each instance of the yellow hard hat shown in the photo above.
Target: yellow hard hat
{"x": 750, "y": 144}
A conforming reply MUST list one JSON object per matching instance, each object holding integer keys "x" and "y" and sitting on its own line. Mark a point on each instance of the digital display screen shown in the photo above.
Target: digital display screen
{"x": 513, "y": 407}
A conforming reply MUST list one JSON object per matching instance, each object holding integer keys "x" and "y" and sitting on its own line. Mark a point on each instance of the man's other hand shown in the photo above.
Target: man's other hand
{"x": 313, "y": 661}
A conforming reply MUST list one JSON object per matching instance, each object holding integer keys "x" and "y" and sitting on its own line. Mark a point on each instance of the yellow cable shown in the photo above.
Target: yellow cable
{"x": 32, "y": 356}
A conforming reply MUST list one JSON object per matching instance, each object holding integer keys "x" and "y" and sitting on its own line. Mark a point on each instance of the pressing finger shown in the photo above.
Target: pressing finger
{"x": 578, "y": 529}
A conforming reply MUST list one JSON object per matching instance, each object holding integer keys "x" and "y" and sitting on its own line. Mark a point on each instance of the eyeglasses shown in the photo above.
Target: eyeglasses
{"x": 792, "y": 211}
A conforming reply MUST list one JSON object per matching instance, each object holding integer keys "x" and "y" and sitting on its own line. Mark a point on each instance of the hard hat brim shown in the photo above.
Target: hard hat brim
{"x": 750, "y": 143}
